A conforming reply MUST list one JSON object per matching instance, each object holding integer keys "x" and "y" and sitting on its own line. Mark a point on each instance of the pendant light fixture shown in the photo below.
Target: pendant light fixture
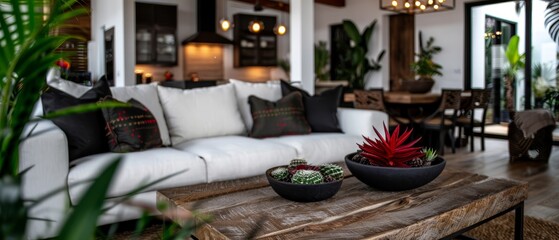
{"x": 417, "y": 6}
{"x": 224, "y": 23}
{"x": 280, "y": 29}
{"x": 255, "y": 26}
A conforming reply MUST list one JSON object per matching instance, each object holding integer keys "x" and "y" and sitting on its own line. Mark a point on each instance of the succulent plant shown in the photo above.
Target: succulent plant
{"x": 332, "y": 170}
{"x": 280, "y": 174}
{"x": 307, "y": 177}
{"x": 296, "y": 162}
{"x": 430, "y": 155}
{"x": 391, "y": 150}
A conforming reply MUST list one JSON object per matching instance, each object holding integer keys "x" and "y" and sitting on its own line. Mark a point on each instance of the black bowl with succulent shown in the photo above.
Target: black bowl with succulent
{"x": 392, "y": 163}
{"x": 302, "y": 182}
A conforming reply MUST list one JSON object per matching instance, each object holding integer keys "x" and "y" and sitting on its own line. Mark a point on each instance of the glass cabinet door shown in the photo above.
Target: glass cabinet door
{"x": 166, "y": 47}
{"x": 144, "y": 49}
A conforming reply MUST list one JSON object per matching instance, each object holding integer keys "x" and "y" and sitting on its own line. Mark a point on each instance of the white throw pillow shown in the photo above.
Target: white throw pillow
{"x": 201, "y": 112}
{"x": 73, "y": 89}
{"x": 270, "y": 91}
{"x": 148, "y": 96}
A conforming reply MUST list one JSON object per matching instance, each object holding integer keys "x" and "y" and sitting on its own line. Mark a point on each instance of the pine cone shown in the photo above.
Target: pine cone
{"x": 416, "y": 162}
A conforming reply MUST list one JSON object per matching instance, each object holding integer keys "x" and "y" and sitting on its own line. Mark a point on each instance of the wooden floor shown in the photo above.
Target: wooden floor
{"x": 543, "y": 199}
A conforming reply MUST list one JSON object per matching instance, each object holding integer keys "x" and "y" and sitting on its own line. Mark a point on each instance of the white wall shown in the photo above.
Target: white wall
{"x": 107, "y": 14}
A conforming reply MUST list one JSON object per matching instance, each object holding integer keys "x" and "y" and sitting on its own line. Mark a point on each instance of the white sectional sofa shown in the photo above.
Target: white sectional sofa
{"x": 208, "y": 157}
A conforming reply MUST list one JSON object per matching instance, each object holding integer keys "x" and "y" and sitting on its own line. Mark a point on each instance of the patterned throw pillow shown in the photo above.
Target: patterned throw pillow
{"x": 283, "y": 117}
{"x": 131, "y": 129}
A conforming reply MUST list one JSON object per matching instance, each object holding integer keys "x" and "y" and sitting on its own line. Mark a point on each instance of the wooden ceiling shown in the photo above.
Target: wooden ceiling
{"x": 282, "y": 6}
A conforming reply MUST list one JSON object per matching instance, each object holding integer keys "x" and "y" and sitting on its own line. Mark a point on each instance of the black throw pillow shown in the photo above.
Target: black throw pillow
{"x": 84, "y": 132}
{"x": 321, "y": 110}
{"x": 131, "y": 129}
{"x": 283, "y": 117}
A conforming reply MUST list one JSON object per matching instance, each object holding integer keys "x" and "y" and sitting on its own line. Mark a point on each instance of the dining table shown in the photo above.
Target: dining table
{"x": 417, "y": 106}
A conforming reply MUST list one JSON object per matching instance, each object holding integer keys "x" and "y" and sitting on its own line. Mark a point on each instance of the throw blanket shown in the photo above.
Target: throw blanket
{"x": 530, "y": 121}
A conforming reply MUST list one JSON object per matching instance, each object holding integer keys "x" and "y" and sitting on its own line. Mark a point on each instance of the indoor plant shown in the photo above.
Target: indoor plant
{"x": 515, "y": 63}
{"x": 354, "y": 63}
{"x": 29, "y": 46}
{"x": 302, "y": 182}
{"x": 321, "y": 58}
{"x": 425, "y": 68}
{"x": 393, "y": 162}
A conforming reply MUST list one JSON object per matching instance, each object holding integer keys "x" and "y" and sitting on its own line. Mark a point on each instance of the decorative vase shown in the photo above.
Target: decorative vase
{"x": 422, "y": 85}
{"x": 395, "y": 178}
{"x": 303, "y": 192}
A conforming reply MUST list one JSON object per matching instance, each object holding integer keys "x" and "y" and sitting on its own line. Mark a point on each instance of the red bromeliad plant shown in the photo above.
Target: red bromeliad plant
{"x": 391, "y": 150}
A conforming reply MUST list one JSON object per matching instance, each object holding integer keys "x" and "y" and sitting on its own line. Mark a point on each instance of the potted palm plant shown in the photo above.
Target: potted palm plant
{"x": 425, "y": 68}
{"x": 516, "y": 62}
{"x": 354, "y": 63}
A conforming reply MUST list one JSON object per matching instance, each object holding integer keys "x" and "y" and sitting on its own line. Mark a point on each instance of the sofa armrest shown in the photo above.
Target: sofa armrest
{"x": 45, "y": 150}
{"x": 360, "y": 122}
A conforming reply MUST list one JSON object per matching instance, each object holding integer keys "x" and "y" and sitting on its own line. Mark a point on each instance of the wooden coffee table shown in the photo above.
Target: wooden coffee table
{"x": 452, "y": 204}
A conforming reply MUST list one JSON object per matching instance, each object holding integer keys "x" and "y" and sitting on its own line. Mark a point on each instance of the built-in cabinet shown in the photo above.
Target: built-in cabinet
{"x": 254, "y": 49}
{"x": 156, "y": 34}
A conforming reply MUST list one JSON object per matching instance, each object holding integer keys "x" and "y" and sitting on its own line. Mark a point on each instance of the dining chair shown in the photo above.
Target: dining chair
{"x": 373, "y": 99}
{"x": 479, "y": 100}
{"x": 444, "y": 124}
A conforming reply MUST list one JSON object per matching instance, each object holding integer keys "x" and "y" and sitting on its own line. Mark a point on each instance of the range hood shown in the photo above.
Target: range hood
{"x": 206, "y": 25}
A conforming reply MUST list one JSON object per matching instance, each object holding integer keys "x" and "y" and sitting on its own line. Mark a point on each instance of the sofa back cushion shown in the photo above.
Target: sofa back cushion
{"x": 270, "y": 91}
{"x": 201, "y": 112}
{"x": 148, "y": 96}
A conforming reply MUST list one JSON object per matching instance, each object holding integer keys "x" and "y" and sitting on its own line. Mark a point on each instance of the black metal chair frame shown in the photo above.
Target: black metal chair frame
{"x": 450, "y": 100}
{"x": 479, "y": 99}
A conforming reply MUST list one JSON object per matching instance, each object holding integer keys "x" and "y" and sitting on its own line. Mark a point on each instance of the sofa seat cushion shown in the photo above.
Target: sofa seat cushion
{"x": 233, "y": 157}
{"x": 149, "y": 97}
{"x": 319, "y": 148}
{"x": 137, "y": 169}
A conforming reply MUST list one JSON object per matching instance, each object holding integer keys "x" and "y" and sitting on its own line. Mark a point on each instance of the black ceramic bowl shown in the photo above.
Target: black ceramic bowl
{"x": 392, "y": 178}
{"x": 303, "y": 192}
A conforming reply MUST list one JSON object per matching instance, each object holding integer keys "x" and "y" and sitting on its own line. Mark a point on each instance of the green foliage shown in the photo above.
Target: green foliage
{"x": 516, "y": 62}
{"x": 430, "y": 154}
{"x": 27, "y": 51}
{"x": 332, "y": 170}
{"x": 27, "y": 54}
{"x": 354, "y": 63}
{"x": 307, "y": 177}
{"x": 424, "y": 67}
{"x": 83, "y": 219}
{"x": 321, "y": 57}
{"x": 515, "y": 59}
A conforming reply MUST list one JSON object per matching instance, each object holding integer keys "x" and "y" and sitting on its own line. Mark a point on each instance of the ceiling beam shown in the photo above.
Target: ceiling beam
{"x": 282, "y": 6}
{"x": 335, "y": 3}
